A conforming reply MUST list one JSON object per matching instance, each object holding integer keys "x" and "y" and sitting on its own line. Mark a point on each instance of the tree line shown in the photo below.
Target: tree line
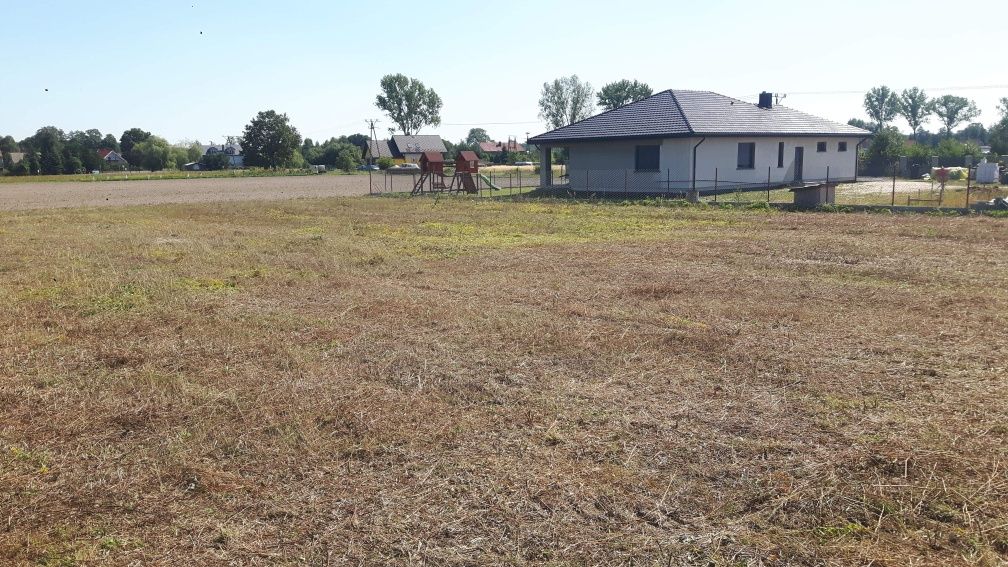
{"x": 268, "y": 141}
{"x": 884, "y": 105}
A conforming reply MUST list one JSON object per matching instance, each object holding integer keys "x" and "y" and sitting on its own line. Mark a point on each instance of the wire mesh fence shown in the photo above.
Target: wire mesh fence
{"x": 715, "y": 188}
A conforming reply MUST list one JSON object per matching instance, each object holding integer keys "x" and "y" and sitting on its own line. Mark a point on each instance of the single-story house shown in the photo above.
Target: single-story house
{"x": 113, "y": 158}
{"x": 699, "y": 141}
{"x": 233, "y": 151}
{"x": 492, "y": 148}
{"x": 405, "y": 149}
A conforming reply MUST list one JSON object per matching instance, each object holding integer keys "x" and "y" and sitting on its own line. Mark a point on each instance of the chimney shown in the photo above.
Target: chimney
{"x": 765, "y": 100}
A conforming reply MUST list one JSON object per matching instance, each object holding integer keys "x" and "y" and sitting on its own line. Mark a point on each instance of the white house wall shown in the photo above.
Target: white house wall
{"x": 722, "y": 153}
{"x": 609, "y": 166}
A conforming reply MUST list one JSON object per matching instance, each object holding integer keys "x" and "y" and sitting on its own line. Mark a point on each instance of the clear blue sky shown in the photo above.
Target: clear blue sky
{"x": 146, "y": 64}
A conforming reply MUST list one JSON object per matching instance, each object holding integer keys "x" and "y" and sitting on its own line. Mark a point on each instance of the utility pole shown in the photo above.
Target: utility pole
{"x": 377, "y": 149}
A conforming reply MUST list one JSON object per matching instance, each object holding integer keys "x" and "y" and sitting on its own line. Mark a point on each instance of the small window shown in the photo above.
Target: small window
{"x": 820, "y": 147}
{"x": 780, "y": 154}
{"x": 841, "y": 146}
{"x": 647, "y": 158}
{"x": 747, "y": 155}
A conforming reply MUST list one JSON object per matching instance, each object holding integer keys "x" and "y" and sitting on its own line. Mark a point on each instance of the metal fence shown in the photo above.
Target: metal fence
{"x": 715, "y": 188}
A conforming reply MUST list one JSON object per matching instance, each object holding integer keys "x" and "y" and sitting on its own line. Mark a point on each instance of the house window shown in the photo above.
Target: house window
{"x": 780, "y": 154}
{"x": 820, "y": 147}
{"x": 646, "y": 158}
{"x": 841, "y": 146}
{"x": 747, "y": 155}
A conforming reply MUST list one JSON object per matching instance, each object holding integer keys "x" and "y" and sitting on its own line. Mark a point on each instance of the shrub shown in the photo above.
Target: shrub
{"x": 385, "y": 162}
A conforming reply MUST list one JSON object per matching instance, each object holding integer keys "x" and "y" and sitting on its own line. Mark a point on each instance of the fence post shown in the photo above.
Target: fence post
{"x": 668, "y": 180}
{"x": 768, "y": 184}
{"x": 715, "y": 185}
{"x": 968, "y": 170}
{"x": 894, "y": 184}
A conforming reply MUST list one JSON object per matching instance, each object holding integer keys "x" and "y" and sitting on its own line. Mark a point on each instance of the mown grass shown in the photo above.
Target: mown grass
{"x": 460, "y": 381}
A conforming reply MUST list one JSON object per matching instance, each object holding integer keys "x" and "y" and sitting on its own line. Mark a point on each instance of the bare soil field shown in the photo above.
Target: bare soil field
{"x": 356, "y": 381}
{"x": 39, "y": 195}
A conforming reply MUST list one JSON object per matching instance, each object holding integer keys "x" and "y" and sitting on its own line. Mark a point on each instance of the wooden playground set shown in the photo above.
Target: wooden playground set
{"x": 464, "y": 178}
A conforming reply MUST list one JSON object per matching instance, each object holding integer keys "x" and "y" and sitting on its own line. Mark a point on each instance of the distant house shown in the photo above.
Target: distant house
{"x": 405, "y": 149}
{"x": 679, "y": 140}
{"x": 113, "y": 158}
{"x": 492, "y": 148}
{"x": 16, "y": 158}
{"x": 233, "y": 151}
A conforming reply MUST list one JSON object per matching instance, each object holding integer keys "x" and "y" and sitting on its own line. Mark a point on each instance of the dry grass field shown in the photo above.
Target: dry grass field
{"x": 30, "y": 195}
{"x": 457, "y": 382}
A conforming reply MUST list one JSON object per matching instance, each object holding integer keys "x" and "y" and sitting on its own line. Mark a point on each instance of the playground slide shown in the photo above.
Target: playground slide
{"x": 488, "y": 182}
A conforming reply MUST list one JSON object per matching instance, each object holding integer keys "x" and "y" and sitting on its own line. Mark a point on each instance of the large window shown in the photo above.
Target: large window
{"x": 747, "y": 155}
{"x": 780, "y": 154}
{"x": 647, "y": 158}
{"x": 820, "y": 147}
{"x": 841, "y": 146}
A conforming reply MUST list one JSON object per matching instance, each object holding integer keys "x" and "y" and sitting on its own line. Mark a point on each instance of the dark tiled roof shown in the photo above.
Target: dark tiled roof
{"x": 678, "y": 113}
{"x": 419, "y": 144}
{"x": 380, "y": 148}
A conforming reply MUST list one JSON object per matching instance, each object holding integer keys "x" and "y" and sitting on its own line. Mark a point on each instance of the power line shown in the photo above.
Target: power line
{"x": 939, "y": 89}
{"x": 489, "y": 123}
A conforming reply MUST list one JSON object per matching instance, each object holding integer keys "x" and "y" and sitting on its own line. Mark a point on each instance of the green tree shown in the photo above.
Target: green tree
{"x": 129, "y": 139}
{"x": 7, "y": 160}
{"x": 622, "y": 93}
{"x": 359, "y": 140}
{"x": 270, "y": 141}
{"x": 914, "y": 107}
{"x": 863, "y": 124}
{"x": 999, "y": 136}
{"x": 194, "y": 151}
{"x": 564, "y": 101}
{"x": 48, "y": 141}
{"x": 1002, "y": 107}
{"x": 409, "y": 103}
{"x": 477, "y": 136}
{"x": 881, "y": 104}
{"x": 153, "y": 154}
{"x": 109, "y": 142}
{"x": 348, "y": 157}
{"x": 954, "y": 110}
{"x": 8, "y": 144}
{"x": 215, "y": 161}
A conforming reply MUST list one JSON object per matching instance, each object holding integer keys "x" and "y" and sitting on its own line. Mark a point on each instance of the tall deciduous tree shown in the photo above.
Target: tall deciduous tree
{"x": 564, "y": 101}
{"x": 881, "y": 104}
{"x": 130, "y": 138}
{"x": 8, "y": 144}
{"x": 270, "y": 141}
{"x": 477, "y": 136}
{"x": 1003, "y": 106}
{"x": 954, "y": 110}
{"x": 621, "y": 93}
{"x": 409, "y": 103}
{"x": 109, "y": 142}
{"x": 915, "y": 107}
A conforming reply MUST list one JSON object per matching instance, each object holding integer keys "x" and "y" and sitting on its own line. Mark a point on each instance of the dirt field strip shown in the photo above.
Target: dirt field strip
{"x": 25, "y": 196}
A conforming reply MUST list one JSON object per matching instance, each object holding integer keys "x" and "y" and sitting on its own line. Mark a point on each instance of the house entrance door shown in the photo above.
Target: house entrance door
{"x": 799, "y": 163}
